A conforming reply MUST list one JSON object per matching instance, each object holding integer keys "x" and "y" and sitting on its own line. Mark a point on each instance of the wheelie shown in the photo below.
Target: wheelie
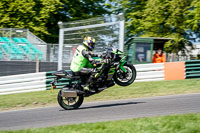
{"x": 92, "y": 73}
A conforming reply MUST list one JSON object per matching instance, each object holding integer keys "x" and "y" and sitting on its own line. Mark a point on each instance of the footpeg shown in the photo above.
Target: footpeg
{"x": 103, "y": 88}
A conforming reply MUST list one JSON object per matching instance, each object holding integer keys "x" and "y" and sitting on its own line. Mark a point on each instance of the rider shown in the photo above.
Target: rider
{"x": 82, "y": 62}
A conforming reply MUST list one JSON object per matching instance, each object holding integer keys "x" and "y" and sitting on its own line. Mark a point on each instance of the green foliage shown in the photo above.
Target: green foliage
{"x": 182, "y": 123}
{"x": 32, "y": 14}
{"x": 193, "y": 16}
{"x": 75, "y": 10}
{"x": 133, "y": 10}
{"x": 175, "y": 19}
{"x": 178, "y": 44}
{"x": 163, "y": 18}
{"x": 42, "y": 16}
{"x": 147, "y": 18}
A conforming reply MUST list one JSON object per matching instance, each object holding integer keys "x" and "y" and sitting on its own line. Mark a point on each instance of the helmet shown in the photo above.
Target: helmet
{"x": 89, "y": 42}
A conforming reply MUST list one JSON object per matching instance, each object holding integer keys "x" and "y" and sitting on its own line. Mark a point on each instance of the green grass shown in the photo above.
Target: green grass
{"x": 138, "y": 89}
{"x": 185, "y": 123}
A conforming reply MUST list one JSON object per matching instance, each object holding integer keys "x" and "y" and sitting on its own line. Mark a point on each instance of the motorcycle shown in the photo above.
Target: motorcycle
{"x": 116, "y": 71}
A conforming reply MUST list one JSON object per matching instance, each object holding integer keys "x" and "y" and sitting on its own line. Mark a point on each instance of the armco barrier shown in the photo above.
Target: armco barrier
{"x": 22, "y": 83}
{"x": 145, "y": 72}
{"x": 149, "y": 72}
{"x": 192, "y": 69}
{"x": 41, "y": 81}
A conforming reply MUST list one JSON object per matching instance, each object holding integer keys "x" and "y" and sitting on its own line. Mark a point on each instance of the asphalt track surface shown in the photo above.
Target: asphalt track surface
{"x": 100, "y": 111}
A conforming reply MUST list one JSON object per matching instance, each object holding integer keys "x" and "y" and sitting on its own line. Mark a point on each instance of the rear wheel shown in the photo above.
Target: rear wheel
{"x": 125, "y": 78}
{"x": 69, "y": 103}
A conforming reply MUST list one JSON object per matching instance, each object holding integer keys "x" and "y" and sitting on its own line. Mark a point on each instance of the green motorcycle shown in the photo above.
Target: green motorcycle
{"x": 115, "y": 71}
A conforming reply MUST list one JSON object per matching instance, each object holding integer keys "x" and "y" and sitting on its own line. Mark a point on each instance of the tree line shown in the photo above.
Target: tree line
{"x": 41, "y": 16}
{"x": 177, "y": 19}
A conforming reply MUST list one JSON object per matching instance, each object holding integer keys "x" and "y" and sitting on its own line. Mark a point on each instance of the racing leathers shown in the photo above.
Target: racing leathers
{"x": 83, "y": 63}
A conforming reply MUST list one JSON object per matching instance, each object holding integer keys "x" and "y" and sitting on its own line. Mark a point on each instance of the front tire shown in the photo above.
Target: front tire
{"x": 69, "y": 103}
{"x": 125, "y": 78}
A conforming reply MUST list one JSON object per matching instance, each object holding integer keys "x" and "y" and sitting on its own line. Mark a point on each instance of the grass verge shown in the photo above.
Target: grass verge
{"x": 138, "y": 89}
{"x": 185, "y": 123}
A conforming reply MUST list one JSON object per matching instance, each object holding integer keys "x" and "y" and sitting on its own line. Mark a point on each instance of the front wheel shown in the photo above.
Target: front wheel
{"x": 125, "y": 78}
{"x": 69, "y": 103}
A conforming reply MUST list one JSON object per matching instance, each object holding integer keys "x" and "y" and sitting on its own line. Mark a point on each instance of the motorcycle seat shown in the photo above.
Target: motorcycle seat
{"x": 73, "y": 75}
{"x": 66, "y": 74}
{"x": 60, "y": 73}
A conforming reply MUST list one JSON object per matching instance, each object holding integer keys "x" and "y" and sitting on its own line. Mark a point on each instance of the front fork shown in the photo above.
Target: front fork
{"x": 122, "y": 66}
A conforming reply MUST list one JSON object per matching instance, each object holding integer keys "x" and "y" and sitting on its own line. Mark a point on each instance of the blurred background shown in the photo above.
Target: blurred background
{"x": 29, "y": 31}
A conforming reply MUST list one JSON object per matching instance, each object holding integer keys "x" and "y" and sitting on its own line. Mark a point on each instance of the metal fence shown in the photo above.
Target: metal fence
{"x": 175, "y": 57}
{"x": 22, "y": 33}
{"x": 107, "y": 30}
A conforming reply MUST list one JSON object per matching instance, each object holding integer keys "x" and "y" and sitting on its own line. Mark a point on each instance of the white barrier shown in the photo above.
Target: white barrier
{"x": 22, "y": 83}
{"x": 37, "y": 81}
{"x": 149, "y": 72}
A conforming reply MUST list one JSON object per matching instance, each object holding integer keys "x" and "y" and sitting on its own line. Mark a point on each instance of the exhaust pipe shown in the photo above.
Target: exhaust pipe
{"x": 68, "y": 93}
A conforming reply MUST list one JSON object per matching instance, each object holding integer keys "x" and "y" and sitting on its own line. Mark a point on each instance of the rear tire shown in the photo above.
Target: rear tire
{"x": 65, "y": 102}
{"x": 125, "y": 78}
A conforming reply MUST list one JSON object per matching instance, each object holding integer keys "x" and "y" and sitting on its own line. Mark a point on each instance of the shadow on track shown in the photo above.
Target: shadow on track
{"x": 107, "y": 105}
